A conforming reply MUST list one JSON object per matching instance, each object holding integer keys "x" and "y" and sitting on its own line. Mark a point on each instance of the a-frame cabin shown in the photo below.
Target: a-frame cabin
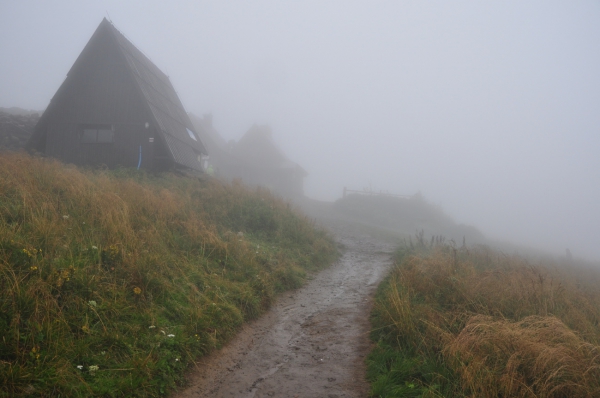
{"x": 116, "y": 108}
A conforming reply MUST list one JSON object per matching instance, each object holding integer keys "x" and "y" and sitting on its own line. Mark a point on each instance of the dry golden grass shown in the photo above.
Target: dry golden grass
{"x": 502, "y": 325}
{"x": 536, "y": 357}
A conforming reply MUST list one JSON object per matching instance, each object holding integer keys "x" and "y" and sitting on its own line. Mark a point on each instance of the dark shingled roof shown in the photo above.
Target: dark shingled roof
{"x": 164, "y": 103}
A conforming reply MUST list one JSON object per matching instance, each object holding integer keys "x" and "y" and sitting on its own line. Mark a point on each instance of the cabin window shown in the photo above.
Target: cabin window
{"x": 191, "y": 134}
{"x": 97, "y": 134}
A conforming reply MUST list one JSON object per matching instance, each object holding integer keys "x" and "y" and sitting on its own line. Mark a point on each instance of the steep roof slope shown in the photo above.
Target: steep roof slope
{"x": 164, "y": 103}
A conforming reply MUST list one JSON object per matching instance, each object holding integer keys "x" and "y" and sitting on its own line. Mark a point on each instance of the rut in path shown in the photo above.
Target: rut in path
{"x": 312, "y": 343}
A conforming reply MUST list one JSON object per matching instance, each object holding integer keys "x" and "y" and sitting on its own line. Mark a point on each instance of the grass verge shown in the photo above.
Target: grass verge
{"x": 113, "y": 282}
{"x": 452, "y": 322}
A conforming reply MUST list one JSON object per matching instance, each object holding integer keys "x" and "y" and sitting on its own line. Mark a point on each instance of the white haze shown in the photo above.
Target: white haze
{"x": 490, "y": 109}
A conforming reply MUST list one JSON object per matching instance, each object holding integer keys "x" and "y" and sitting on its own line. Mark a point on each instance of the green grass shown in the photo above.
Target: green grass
{"x": 113, "y": 282}
{"x": 458, "y": 322}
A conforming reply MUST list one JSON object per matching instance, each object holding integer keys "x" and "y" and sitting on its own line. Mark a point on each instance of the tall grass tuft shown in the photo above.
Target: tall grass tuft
{"x": 113, "y": 282}
{"x": 479, "y": 323}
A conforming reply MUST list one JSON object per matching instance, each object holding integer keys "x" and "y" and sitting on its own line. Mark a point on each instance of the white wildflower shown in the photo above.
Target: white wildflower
{"x": 151, "y": 327}
{"x": 93, "y": 369}
{"x": 170, "y": 335}
{"x": 66, "y": 217}
{"x": 92, "y": 303}
{"x": 79, "y": 367}
{"x": 95, "y": 247}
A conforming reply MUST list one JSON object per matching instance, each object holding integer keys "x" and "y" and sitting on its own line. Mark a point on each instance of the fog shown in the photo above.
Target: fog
{"x": 491, "y": 111}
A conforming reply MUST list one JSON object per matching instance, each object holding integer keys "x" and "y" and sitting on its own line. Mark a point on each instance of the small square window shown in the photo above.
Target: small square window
{"x": 88, "y": 136}
{"x": 105, "y": 136}
{"x": 97, "y": 134}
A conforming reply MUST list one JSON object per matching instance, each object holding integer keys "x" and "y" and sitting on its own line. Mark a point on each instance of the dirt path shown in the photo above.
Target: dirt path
{"x": 314, "y": 340}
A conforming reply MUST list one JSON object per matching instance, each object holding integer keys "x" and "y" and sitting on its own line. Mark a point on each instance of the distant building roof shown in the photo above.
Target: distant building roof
{"x": 209, "y": 135}
{"x": 257, "y": 147}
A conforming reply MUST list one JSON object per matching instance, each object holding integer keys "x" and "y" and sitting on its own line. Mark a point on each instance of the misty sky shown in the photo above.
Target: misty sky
{"x": 490, "y": 109}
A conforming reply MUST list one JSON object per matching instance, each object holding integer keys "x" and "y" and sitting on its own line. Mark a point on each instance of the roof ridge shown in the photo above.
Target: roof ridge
{"x": 117, "y": 31}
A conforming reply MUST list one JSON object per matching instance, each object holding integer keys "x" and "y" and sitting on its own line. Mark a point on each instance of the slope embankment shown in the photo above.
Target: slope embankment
{"x": 113, "y": 282}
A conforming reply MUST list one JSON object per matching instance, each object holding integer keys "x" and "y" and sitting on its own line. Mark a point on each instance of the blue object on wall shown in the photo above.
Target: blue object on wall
{"x": 140, "y": 161}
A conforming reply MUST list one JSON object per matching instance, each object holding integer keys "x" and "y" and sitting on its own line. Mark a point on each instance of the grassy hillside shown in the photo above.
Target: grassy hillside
{"x": 454, "y": 322}
{"x": 405, "y": 215}
{"x": 111, "y": 283}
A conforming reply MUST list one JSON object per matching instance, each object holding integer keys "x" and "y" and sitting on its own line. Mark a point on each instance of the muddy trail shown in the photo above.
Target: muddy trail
{"x": 314, "y": 340}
